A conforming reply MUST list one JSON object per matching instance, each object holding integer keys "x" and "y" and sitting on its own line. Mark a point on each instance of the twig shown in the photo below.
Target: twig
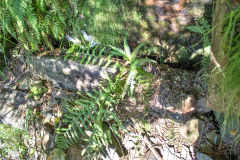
{"x": 150, "y": 146}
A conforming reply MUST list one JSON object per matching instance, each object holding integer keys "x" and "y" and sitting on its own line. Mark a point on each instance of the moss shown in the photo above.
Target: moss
{"x": 37, "y": 89}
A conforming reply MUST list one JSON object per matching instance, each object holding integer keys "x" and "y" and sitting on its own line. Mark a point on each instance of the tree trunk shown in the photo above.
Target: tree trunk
{"x": 218, "y": 56}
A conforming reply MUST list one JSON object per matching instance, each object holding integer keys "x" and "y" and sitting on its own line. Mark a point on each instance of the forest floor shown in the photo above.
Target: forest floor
{"x": 169, "y": 118}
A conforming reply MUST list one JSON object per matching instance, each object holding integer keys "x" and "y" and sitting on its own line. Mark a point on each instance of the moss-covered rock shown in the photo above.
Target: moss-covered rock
{"x": 37, "y": 89}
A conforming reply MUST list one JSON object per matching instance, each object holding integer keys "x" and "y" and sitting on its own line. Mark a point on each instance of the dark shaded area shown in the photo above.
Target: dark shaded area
{"x": 166, "y": 21}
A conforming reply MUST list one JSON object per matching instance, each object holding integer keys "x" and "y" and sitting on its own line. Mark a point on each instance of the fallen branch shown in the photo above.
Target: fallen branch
{"x": 150, "y": 146}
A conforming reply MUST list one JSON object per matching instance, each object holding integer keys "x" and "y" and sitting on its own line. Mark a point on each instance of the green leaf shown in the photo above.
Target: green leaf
{"x": 118, "y": 51}
{"x": 126, "y": 47}
{"x": 136, "y": 50}
{"x": 72, "y": 49}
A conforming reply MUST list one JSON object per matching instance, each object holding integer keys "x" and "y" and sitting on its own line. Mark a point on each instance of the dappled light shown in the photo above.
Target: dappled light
{"x": 119, "y": 79}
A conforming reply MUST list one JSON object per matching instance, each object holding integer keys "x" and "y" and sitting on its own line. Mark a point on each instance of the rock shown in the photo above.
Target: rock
{"x": 169, "y": 153}
{"x": 185, "y": 153}
{"x": 190, "y": 130}
{"x": 12, "y": 109}
{"x": 129, "y": 145}
{"x": 69, "y": 74}
{"x": 74, "y": 153}
{"x": 15, "y": 98}
{"x": 202, "y": 104}
{"x": 129, "y": 141}
{"x": 176, "y": 117}
{"x": 201, "y": 156}
{"x": 24, "y": 85}
{"x": 47, "y": 140}
{"x": 207, "y": 148}
{"x": 112, "y": 154}
{"x": 56, "y": 154}
{"x": 213, "y": 138}
{"x": 150, "y": 156}
{"x": 33, "y": 104}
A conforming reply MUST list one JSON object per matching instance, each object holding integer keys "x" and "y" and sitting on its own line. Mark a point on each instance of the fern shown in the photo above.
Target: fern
{"x": 29, "y": 21}
{"x": 134, "y": 64}
{"x": 91, "y": 56}
{"x": 85, "y": 120}
{"x": 203, "y": 28}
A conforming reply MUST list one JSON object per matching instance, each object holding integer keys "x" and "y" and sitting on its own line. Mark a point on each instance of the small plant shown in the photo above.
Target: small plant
{"x": 86, "y": 120}
{"x": 91, "y": 119}
{"x": 134, "y": 63}
{"x": 37, "y": 89}
{"x": 12, "y": 143}
{"x": 202, "y": 28}
{"x": 34, "y": 23}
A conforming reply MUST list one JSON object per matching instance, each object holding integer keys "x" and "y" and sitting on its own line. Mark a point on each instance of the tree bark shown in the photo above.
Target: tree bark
{"x": 218, "y": 56}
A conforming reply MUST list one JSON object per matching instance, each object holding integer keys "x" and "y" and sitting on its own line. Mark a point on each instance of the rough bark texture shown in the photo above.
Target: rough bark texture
{"x": 217, "y": 55}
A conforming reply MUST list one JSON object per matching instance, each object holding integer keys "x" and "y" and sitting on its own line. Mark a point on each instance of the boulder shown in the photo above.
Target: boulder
{"x": 12, "y": 108}
{"x": 190, "y": 130}
{"x": 69, "y": 74}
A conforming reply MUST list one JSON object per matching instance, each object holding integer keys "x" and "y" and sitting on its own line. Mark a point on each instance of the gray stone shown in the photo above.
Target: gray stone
{"x": 12, "y": 109}
{"x": 33, "y": 104}
{"x": 213, "y": 138}
{"x": 202, "y": 104}
{"x": 112, "y": 154}
{"x": 130, "y": 140}
{"x": 69, "y": 74}
{"x": 169, "y": 153}
{"x": 201, "y": 156}
{"x": 129, "y": 145}
{"x": 24, "y": 85}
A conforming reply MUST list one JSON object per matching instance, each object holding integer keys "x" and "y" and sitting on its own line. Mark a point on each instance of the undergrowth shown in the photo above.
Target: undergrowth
{"x": 35, "y": 23}
{"x": 12, "y": 143}
{"x": 92, "y": 119}
{"x": 229, "y": 89}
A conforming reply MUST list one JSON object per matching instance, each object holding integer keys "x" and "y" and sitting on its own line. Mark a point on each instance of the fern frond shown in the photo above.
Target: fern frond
{"x": 84, "y": 118}
{"x": 87, "y": 55}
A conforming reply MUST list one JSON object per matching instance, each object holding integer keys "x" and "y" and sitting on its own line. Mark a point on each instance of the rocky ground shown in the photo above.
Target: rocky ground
{"x": 168, "y": 120}
{"x": 178, "y": 123}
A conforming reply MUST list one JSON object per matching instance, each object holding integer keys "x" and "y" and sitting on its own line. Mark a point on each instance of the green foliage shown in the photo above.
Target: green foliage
{"x": 33, "y": 23}
{"x": 86, "y": 119}
{"x": 91, "y": 118}
{"x": 202, "y": 28}
{"x": 12, "y": 143}
{"x": 229, "y": 86}
{"x": 109, "y": 21}
{"x": 134, "y": 63}
{"x": 3, "y": 75}
{"x": 93, "y": 56}
{"x": 104, "y": 20}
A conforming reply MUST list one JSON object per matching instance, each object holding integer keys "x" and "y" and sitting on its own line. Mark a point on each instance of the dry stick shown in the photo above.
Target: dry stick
{"x": 150, "y": 146}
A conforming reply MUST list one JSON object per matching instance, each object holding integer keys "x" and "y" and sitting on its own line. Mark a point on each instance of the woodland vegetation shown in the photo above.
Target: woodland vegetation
{"x": 123, "y": 36}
